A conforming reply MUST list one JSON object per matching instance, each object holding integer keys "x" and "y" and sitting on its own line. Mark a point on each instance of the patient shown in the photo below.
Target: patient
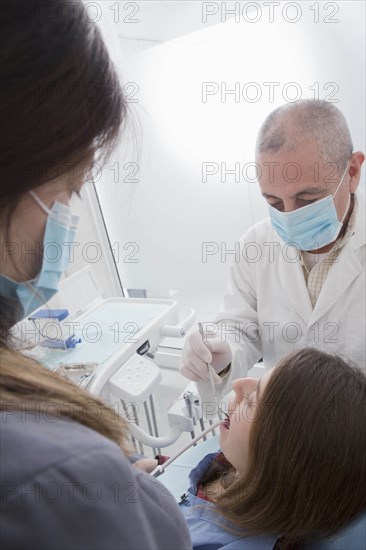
{"x": 293, "y": 459}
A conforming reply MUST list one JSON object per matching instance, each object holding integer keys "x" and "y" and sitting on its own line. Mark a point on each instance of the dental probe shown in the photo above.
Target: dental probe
{"x": 210, "y": 369}
{"x": 160, "y": 469}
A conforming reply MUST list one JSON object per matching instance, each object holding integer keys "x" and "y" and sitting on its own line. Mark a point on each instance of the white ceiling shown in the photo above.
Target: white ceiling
{"x": 159, "y": 21}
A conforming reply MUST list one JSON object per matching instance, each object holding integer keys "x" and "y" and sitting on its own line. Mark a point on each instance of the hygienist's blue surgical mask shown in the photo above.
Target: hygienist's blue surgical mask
{"x": 58, "y": 238}
{"x": 312, "y": 226}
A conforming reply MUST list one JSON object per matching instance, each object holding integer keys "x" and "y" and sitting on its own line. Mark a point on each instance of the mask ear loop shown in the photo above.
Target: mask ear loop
{"x": 346, "y": 212}
{"x": 349, "y": 195}
{"x": 39, "y": 202}
{"x": 341, "y": 180}
{"x": 47, "y": 211}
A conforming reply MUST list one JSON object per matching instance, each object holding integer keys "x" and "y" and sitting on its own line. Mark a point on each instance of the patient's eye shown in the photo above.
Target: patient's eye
{"x": 246, "y": 399}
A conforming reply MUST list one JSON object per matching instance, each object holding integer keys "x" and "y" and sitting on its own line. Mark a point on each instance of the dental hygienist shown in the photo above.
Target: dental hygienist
{"x": 66, "y": 481}
{"x": 300, "y": 279}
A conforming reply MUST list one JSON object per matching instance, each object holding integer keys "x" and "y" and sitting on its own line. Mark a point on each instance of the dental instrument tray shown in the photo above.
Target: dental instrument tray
{"x": 113, "y": 332}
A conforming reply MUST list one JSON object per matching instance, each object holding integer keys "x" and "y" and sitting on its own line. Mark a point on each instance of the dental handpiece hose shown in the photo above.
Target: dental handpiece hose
{"x": 160, "y": 469}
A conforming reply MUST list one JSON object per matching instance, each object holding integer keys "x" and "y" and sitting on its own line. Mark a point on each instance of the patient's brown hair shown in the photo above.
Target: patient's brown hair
{"x": 307, "y": 455}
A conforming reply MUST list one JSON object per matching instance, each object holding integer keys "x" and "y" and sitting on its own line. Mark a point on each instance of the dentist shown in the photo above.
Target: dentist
{"x": 66, "y": 481}
{"x": 300, "y": 280}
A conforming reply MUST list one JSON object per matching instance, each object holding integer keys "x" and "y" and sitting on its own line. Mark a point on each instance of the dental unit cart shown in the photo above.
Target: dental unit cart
{"x": 118, "y": 337}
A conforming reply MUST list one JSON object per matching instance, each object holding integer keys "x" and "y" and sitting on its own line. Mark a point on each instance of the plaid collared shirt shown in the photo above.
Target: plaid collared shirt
{"x": 316, "y": 276}
{"x": 216, "y": 469}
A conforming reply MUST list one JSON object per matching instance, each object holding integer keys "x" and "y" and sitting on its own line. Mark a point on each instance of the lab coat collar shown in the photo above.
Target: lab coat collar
{"x": 346, "y": 269}
{"x": 359, "y": 237}
{"x": 338, "y": 278}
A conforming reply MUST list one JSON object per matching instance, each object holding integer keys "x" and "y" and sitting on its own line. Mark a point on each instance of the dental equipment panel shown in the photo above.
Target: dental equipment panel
{"x": 112, "y": 331}
{"x": 135, "y": 380}
{"x": 118, "y": 340}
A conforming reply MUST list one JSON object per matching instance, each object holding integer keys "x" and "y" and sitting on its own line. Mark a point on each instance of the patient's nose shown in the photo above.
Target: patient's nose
{"x": 243, "y": 386}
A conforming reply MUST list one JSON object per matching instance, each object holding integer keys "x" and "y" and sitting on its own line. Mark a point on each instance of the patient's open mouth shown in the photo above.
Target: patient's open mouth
{"x": 226, "y": 421}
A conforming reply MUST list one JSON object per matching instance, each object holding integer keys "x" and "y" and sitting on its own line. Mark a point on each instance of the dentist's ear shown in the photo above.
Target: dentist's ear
{"x": 357, "y": 160}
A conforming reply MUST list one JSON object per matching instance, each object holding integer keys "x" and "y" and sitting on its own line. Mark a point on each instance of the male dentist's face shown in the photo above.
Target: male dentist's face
{"x": 291, "y": 180}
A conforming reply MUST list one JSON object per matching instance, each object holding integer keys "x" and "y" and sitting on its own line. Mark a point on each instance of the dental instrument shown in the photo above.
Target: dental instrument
{"x": 211, "y": 370}
{"x": 161, "y": 467}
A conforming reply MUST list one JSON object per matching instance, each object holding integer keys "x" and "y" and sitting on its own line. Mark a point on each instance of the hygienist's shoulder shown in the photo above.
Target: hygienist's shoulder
{"x": 66, "y": 486}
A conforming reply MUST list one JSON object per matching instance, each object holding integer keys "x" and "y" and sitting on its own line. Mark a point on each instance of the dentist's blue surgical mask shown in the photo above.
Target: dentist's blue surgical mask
{"x": 309, "y": 227}
{"x": 58, "y": 238}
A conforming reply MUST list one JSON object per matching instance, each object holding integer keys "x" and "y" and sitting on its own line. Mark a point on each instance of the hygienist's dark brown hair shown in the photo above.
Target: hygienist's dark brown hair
{"x": 61, "y": 106}
{"x": 306, "y": 475}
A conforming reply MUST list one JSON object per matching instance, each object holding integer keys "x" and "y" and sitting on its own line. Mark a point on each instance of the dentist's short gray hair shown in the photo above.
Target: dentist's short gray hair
{"x": 293, "y": 124}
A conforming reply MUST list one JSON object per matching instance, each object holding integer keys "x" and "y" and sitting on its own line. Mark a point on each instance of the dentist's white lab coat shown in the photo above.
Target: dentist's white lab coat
{"x": 266, "y": 311}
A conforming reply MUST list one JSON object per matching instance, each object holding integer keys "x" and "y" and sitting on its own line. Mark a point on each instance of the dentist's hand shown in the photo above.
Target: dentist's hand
{"x": 146, "y": 464}
{"x": 196, "y": 354}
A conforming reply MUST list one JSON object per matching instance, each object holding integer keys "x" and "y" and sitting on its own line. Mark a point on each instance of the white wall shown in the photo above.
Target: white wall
{"x": 169, "y": 212}
{"x": 157, "y": 224}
